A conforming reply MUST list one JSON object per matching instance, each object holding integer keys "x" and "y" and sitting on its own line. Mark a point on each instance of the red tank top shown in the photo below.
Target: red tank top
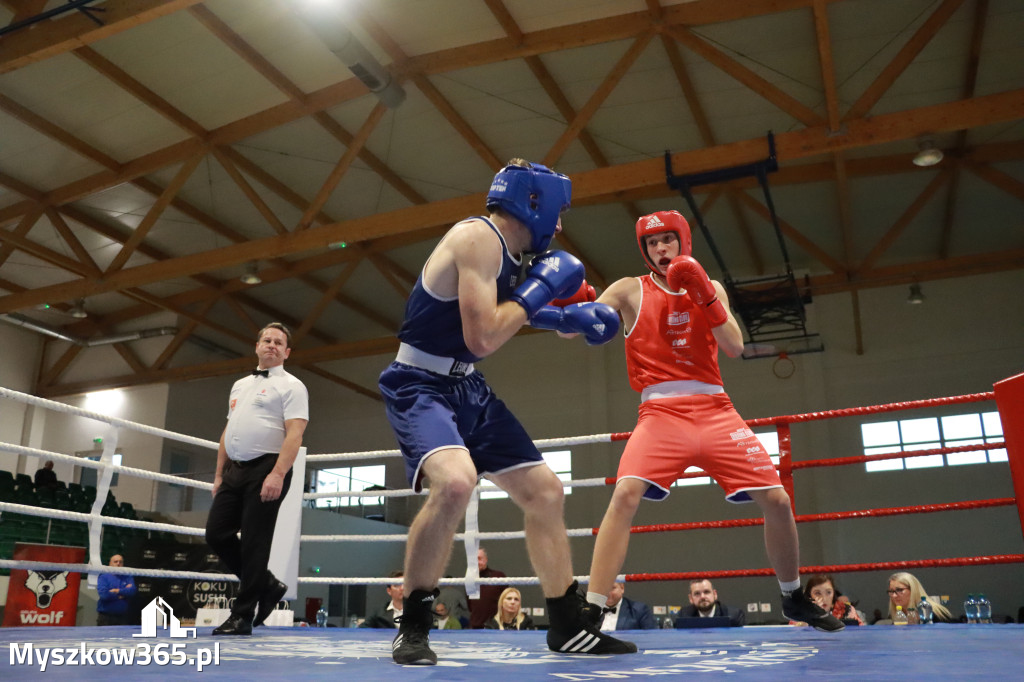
{"x": 670, "y": 340}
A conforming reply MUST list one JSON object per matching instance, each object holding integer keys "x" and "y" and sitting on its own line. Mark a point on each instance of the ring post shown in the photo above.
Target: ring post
{"x": 1010, "y": 401}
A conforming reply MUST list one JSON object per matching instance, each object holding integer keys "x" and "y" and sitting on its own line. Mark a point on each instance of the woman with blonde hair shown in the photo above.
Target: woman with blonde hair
{"x": 510, "y": 614}
{"x": 906, "y": 590}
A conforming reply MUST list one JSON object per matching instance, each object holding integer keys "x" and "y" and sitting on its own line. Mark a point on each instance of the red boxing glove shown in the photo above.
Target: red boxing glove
{"x": 686, "y": 273}
{"x": 585, "y": 294}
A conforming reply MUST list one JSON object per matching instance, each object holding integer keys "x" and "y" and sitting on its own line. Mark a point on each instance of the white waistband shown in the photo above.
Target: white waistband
{"x": 673, "y": 389}
{"x": 410, "y": 355}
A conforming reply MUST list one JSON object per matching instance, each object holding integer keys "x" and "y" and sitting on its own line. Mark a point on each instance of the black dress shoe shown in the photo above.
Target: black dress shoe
{"x": 234, "y": 625}
{"x": 269, "y": 600}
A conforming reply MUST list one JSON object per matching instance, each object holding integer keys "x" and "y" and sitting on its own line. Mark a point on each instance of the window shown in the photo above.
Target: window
{"x": 560, "y": 462}
{"x": 349, "y": 479}
{"x": 933, "y": 432}
{"x": 90, "y": 476}
{"x": 770, "y": 442}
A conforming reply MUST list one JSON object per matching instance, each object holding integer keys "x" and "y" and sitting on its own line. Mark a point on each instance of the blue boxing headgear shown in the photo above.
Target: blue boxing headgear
{"x": 533, "y": 195}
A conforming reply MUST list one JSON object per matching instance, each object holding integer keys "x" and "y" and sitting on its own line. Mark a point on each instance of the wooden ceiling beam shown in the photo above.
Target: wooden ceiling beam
{"x": 351, "y": 385}
{"x": 312, "y": 315}
{"x": 55, "y": 132}
{"x": 455, "y": 120}
{"x": 828, "y": 70}
{"x": 58, "y": 222}
{"x": 21, "y": 230}
{"x": 153, "y": 214}
{"x": 594, "y": 32}
{"x": 58, "y": 36}
{"x": 905, "y": 219}
{"x": 136, "y": 89}
{"x": 794, "y": 145}
{"x": 745, "y": 76}
{"x": 387, "y": 345}
{"x": 902, "y": 60}
{"x": 583, "y": 116}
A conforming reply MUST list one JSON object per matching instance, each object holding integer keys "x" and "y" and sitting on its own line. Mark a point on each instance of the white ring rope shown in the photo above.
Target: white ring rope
{"x": 397, "y": 537}
{"x": 105, "y": 520}
{"x": 123, "y": 570}
{"x": 115, "y": 421}
{"x": 97, "y": 464}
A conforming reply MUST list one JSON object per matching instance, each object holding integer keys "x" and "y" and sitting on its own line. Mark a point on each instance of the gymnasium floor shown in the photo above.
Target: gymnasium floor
{"x": 950, "y": 652}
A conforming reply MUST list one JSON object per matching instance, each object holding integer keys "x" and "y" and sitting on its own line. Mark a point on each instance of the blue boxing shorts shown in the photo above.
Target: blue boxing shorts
{"x": 430, "y": 412}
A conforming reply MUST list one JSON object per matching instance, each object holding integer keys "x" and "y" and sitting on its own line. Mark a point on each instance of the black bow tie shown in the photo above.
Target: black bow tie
{"x": 261, "y": 372}
{"x": 611, "y": 609}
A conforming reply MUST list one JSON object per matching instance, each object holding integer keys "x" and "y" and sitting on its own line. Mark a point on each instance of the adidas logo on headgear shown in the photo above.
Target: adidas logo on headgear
{"x": 655, "y": 221}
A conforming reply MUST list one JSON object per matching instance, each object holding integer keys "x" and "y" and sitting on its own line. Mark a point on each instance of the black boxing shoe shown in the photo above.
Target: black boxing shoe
{"x": 411, "y": 645}
{"x": 272, "y": 594}
{"x": 797, "y": 606}
{"x": 234, "y": 625}
{"x": 574, "y": 627}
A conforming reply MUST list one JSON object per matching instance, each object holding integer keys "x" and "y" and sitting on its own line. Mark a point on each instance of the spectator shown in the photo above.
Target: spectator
{"x": 385, "y": 616}
{"x": 510, "y": 614}
{"x": 115, "y": 594}
{"x": 822, "y": 590}
{"x": 480, "y": 610}
{"x": 625, "y": 614}
{"x": 905, "y": 590}
{"x": 444, "y": 619}
{"x": 45, "y": 478}
{"x": 704, "y": 604}
{"x": 454, "y": 598}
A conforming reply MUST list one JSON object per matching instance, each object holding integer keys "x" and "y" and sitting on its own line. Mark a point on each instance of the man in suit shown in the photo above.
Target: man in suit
{"x": 384, "y": 616}
{"x": 626, "y": 614}
{"x": 704, "y": 604}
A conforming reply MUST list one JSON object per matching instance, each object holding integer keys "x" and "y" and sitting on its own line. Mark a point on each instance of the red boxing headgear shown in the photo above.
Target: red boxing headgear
{"x": 663, "y": 221}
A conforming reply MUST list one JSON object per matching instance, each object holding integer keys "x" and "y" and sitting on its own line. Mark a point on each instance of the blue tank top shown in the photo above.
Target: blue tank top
{"x": 434, "y": 324}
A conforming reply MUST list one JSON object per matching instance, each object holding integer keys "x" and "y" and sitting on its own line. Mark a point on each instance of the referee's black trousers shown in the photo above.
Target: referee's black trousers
{"x": 237, "y": 507}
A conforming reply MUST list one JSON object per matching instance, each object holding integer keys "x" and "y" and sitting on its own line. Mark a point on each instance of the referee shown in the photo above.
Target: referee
{"x": 267, "y": 416}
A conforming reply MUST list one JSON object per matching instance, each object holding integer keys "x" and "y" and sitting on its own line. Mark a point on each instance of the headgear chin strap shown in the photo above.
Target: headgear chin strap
{"x": 663, "y": 221}
{"x": 533, "y": 195}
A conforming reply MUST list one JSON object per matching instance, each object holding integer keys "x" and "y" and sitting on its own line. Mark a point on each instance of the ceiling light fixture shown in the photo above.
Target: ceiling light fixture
{"x": 916, "y": 297}
{"x": 251, "y": 276}
{"x": 928, "y": 154}
{"x": 78, "y": 310}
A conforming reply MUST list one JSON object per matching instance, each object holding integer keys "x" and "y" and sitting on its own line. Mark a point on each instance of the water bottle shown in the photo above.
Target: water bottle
{"x": 321, "y": 618}
{"x": 924, "y": 612}
{"x": 668, "y": 623}
{"x": 971, "y": 609}
{"x": 984, "y": 608}
{"x": 900, "y": 618}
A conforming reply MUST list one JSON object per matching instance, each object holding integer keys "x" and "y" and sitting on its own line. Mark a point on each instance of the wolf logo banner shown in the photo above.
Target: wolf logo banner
{"x": 43, "y": 597}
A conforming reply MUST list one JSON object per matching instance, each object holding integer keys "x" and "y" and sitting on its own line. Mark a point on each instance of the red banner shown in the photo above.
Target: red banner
{"x": 40, "y": 598}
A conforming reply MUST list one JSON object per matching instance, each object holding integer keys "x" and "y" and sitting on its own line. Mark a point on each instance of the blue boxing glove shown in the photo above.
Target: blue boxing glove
{"x": 598, "y": 323}
{"x": 551, "y": 275}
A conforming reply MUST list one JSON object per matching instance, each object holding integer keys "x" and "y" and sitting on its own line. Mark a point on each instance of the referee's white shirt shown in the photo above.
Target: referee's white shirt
{"x": 257, "y": 411}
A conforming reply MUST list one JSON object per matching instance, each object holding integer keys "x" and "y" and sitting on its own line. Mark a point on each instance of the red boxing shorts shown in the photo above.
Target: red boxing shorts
{"x": 696, "y": 430}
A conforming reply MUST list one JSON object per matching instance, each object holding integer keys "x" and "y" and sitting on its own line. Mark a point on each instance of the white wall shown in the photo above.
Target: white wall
{"x": 20, "y": 363}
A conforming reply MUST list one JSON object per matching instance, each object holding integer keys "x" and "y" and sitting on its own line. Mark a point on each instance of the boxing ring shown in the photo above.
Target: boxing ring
{"x": 752, "y": 652}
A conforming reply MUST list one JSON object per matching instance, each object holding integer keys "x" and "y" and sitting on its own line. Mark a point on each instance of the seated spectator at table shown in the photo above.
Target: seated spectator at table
{"x": 443, "y": 619}
{"x": 510, "y": 614}
{"x": 454, "y": 597}
{"x": 822, "y": 591}
{"x": 704, "y": 604}
{"x": 625, "y": 614}
{"x": 45, "y": 477}
{"x": 906, "y": 590}
{"x": 384, "y": 616}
